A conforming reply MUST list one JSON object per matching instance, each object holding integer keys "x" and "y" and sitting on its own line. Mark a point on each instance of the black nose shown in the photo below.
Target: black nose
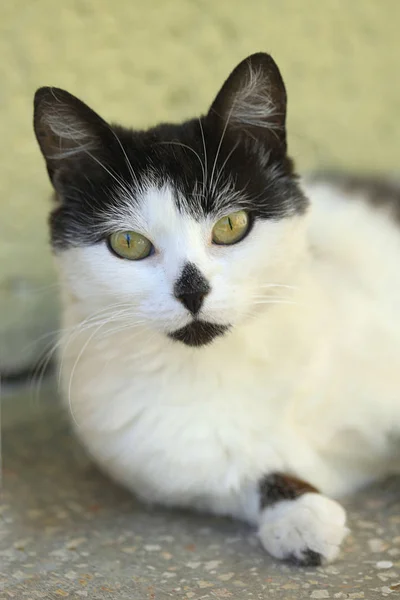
{"x": 192, "y": 301}
{"x": 191, "y": 288}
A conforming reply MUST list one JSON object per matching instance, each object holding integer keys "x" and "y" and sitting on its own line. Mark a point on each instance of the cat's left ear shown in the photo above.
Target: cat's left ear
{"x": 252, "y": 102}
{"x": 68, "y": 131}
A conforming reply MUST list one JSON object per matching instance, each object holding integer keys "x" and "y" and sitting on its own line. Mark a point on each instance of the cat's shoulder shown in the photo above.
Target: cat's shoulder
{"x": 377, "y": 191}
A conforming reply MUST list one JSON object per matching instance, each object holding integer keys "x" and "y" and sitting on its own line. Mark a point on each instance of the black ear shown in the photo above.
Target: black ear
{"x": 252, "y": 102}
{"x": 67, "y": 130}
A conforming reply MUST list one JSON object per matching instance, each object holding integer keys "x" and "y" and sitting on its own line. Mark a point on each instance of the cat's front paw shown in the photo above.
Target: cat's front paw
{"x": 307, "y": 530}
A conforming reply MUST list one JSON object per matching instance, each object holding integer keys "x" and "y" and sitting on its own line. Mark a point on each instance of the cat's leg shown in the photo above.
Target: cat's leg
{"x": 297, "y": 523}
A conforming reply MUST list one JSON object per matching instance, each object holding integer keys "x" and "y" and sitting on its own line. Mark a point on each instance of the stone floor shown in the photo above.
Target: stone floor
{"x": 67, "y": 532}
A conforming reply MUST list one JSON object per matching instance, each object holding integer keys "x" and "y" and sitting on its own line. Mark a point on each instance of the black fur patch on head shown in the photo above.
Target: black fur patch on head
{"x": 198, "y": 333}
{"x": 232, "y": 158}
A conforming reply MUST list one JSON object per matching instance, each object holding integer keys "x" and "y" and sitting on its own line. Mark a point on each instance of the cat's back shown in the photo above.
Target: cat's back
{"x": 354, "y": 227}
{"x": 354, "y": 236}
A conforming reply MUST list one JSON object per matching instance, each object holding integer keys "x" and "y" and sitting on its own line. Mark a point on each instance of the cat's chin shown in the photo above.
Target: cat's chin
{"x": 198, "y": 333}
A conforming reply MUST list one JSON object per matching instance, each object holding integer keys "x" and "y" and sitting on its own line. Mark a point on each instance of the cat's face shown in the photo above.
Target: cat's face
{"x": 187, "y": 229}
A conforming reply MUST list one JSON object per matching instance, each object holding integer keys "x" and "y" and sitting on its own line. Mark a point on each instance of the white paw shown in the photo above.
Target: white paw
{"x": 308, "y": 530}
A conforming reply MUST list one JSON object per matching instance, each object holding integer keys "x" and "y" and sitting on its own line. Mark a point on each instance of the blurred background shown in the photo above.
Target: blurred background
{"x": 142, "y": 62}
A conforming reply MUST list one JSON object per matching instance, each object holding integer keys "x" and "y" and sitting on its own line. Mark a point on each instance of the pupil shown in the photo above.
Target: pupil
{"x": 128, "y": 240}
{"x": 230, "y": 223}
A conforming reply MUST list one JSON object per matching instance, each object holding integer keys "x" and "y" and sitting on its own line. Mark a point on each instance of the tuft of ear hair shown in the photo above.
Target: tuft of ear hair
{"x": 252, "y": 102}
{"x": 67, "y": 129}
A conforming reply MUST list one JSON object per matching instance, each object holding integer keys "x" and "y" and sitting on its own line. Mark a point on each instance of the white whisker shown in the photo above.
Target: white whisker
{"x": 128, "y": 163}
{"x": 205, "y": 177}
{"x": 192, "y": 150}
{"x": 114, "y": 176}
{"x": 223, "y": 166}
{"x": 219, "y": 148}
{"x": 89, "y": 322}
{"x": 282, "y": 285}
{"x": 275, "y": 301}
{"x": 74, "y": 368}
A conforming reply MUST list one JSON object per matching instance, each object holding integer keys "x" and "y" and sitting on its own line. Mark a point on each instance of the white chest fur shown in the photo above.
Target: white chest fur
{"x": 175, "y": 423}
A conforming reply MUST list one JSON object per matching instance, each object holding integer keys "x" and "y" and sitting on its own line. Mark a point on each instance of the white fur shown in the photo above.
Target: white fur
{"x": 307, "y": 381}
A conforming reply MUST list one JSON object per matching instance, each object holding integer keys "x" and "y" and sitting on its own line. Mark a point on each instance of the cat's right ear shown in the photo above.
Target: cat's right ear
{"x": 252, "y": 103}
{"x": 68, "y": 130}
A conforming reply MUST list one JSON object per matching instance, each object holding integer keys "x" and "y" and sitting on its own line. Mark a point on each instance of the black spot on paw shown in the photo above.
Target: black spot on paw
{"x": 309, "y": 558}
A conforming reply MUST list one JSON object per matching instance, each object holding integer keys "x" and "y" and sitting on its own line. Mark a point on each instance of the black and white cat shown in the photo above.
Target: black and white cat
{"x": 231, "y": 333}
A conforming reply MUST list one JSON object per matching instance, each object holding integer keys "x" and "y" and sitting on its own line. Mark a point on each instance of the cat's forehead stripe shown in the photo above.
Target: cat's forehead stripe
{"x": 151, "y": 207}
{"x": 162, "y": 205}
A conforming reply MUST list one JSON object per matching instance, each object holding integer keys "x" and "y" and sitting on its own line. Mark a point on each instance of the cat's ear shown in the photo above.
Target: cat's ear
{"x": 67, "y": 130}
{"x": 252, "y": 102}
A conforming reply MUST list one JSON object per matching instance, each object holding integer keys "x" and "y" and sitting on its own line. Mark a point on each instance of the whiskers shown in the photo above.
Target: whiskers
{"x": 203, "y": 165}
{"x": 257, "y": 300}
{"x": 279, "y": 285}
{"x": 130, "y": 324}
{"x": 65, "y": 336}
{"x": 272, "y": 294}
{"x": 205, "y": 176}
{"x": 210, "y": 182}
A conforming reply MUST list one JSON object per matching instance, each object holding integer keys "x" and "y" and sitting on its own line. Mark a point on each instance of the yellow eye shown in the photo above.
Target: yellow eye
{"x": 130, "y": 245}
{"x": 231, "y": 229}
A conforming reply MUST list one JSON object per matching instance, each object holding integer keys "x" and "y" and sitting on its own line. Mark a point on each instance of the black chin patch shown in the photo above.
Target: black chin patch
{"x": 198, "y": 333}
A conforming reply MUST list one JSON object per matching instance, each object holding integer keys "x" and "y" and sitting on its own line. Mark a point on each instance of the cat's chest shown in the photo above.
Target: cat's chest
{"x": 201, "y": 422}
{"x": 247, "y": 393}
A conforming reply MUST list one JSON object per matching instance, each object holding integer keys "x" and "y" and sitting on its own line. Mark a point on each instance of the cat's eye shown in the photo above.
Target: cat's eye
{"x": 231, "y": 229}
{"x": 130, "y": 245}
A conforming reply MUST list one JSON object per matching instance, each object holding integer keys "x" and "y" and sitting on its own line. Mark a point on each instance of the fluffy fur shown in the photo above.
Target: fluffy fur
{"x": 303, "y": 377}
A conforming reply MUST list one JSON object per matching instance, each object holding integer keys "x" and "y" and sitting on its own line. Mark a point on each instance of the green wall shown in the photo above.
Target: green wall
{"x": 141, "y": 62}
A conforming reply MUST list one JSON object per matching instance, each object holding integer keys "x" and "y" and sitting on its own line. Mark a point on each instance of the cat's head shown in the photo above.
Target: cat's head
{"x": 189, "y": 229}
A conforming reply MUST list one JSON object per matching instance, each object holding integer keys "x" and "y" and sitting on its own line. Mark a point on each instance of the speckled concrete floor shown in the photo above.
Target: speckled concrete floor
{"x": 67, "y": 532}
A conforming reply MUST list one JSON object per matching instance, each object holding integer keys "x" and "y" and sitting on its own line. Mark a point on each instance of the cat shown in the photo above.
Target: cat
{"x": 231, "y": 332}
